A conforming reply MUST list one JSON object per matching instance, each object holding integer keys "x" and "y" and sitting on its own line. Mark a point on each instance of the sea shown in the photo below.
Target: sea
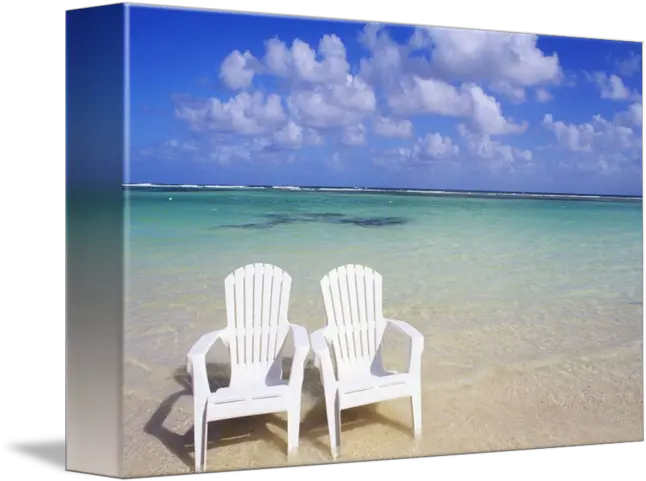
{"x": 450, "y": 260}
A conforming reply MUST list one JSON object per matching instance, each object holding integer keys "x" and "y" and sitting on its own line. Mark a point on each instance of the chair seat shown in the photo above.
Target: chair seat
{"x": 365, "y": 381}
{"x": 277, "y": 388}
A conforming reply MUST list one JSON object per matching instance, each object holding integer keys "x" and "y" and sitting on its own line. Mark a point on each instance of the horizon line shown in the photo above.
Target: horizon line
{"x": 367, "y": 188}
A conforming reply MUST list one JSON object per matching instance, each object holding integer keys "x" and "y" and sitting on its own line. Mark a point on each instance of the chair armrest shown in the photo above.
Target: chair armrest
{"x": 199, "y": 350}
{"x": 301, "y": 350}
{"x": 196, "y": 360}
{"x": 322, "y": 356}
{"x": 416, "y": 341}
{"x": 301, "y": 340}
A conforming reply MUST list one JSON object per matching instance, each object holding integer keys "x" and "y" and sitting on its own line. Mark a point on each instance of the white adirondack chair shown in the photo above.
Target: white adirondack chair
{"x": 257, "y": 298}
{"x": 353, "y": 335}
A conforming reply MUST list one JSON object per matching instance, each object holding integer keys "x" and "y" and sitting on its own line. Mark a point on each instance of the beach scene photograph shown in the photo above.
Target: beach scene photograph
{"x": 350, "y": 241}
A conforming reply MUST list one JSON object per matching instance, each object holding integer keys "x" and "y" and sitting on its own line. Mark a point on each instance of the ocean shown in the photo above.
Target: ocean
{"x": 497, "y": 283}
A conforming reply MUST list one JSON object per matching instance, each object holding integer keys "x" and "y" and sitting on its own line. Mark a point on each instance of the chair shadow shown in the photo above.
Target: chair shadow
{"x": 233, "y": 431}
{"x": 224, "y": 433}
{"x": 314, "y": 426}
{"x": 52, "y": 452}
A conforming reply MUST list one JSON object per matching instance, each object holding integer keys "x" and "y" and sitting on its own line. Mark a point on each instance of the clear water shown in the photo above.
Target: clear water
{"x": 490, "y": 282}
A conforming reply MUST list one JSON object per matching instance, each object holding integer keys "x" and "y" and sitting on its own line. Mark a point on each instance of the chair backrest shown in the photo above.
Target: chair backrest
{"x": 257, "y": 300}
{"x": 355, "y": 323}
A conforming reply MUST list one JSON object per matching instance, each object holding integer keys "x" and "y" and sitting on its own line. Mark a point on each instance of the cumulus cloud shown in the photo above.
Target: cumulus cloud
{"x": 244, "y": 114}
{"x": 324, "y": 94}
{"x": 430, "y": 148}
{"x": 238, "y": 69}
{"x": 436, "y": 146}
{"x": 451, "y": 73}
{"x": 507, "y": 63}
{"x": 387, "y": 61}
{"x": 599, "y": 145}
{"x": 612, "y": 87}
{"x": 293, "y": 135}
{"x": 388, "y": 127}
{"x": 632, "y": 116}
{"x": 322, "y": 91}
{"x": 472, "y": 55}
{"x": 332, "y": 106}
{"x": 481, "y": 146}
{"x": 513, "y": 92}
{"x": 300, "y": 64}
{"x": 596, "y": 136}
{"x": 434, "y": 96}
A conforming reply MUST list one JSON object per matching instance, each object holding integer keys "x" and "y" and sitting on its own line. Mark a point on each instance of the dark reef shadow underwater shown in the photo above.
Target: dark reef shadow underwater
{"x": 274, "y": 220}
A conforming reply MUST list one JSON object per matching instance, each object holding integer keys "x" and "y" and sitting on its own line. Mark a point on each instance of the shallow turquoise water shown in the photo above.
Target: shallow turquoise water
{"x": 448, "y": 263}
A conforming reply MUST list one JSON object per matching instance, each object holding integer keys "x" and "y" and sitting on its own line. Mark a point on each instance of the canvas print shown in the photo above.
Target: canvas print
{"x": 349, "y": 241}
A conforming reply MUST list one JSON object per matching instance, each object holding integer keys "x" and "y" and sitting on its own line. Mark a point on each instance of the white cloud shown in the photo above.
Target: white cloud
{"x": 299, "y": 62}
{"x": 323, "y": 93}
{"x": 333, "y": 106}
{"x": 432, "y": 147}
{"x": 513, "y": 92}
{"x": 498, "y": 155}
{"x": 419, "y": 95}
{"x": 387, "y": 127}
{"x": 577, "y": 138}
{"x": 293, "y": 135}
{"x": 245, "y": 114}
{"x": 435, "y": 146}
{"x": 478, "y": 55}
{"x": 354, "y": 94}
{"x": 237, "y": 70}
{"x": 315, "y": 109}
{"x": 388, "y": 59}
{"x": 612, "y": 87}
{"x": 601, "y": 142}
{"x": 632, "y": 116}
{"x": 438, "y": 71}
{"x": 505, "y": 62}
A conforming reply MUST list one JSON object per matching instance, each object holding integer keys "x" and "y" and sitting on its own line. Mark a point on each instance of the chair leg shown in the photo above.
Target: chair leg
{"x": 334, "y": 423}
{"x": 293, "y": 426}
{"x": 200, "y": 429}
{"x": 416, "y": 408}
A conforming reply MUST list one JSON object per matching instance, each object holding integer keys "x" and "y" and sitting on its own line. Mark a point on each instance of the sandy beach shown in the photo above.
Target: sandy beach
{"x": 554, "y": 401}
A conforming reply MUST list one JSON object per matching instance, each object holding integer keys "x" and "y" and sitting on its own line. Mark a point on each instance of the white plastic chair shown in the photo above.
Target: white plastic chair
{"x": 354, "y": 330}
{"x": 257, "y": 298}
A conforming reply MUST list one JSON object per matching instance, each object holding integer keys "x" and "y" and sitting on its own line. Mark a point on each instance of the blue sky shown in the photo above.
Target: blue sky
{"x": 219, "y": 98}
